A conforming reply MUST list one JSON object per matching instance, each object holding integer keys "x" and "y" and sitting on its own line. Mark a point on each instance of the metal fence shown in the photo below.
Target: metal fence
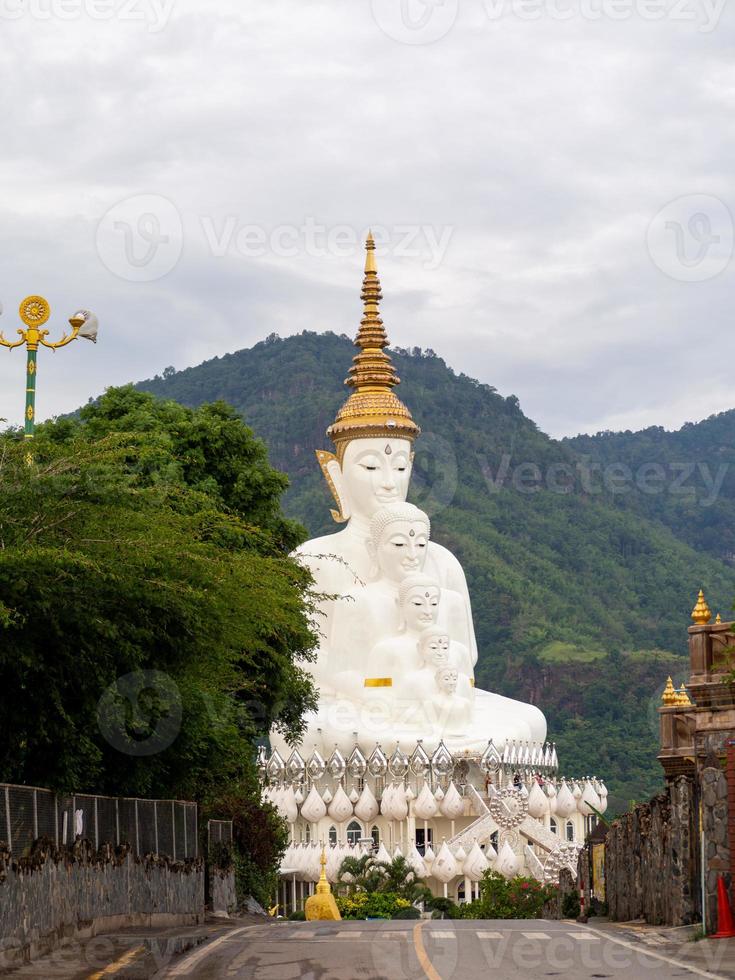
{"x": 164, "y": 827}
{"x": 219, "y": 832}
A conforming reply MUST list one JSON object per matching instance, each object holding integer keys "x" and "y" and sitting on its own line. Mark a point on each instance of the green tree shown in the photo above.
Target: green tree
{"x": 145, "y": 542}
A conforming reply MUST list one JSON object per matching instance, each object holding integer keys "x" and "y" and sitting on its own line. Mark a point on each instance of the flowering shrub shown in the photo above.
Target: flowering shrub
{"x": 511, "y": 898}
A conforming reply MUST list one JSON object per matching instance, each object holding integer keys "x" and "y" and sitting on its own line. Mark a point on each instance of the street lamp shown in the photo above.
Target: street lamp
{"x": 34, "y": 312}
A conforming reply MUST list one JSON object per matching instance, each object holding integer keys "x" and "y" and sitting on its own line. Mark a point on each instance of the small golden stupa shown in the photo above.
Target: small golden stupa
{"x": 682, "y": 696}
{"x": 669, "y": 697}
{"x": 701, "y": 613}
{"x": 322, "y": 905}
{"x": 718, "y": 619}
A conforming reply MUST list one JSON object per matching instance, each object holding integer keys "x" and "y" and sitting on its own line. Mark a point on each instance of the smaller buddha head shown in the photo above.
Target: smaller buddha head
{"x": 418, "y": 602}
{"x": 446, "y": 679}
{"x": 399, "y": 538}
{"x": 433, "y": 647}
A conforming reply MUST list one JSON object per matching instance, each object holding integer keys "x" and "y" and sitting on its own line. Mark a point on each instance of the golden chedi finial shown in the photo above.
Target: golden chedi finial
{"x": 372, "y": 410}
{"x": 322, "y": 904}
{"x": 669, "y": 697}
{"x": 701, "y": 613}
{"x": 718, "y": 619}
{"x": 682, "y": 696}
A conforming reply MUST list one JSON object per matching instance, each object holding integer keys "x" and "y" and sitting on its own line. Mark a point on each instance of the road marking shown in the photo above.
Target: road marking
{"x": 187, "y": 965}
{"x": 302, "y": 934}
{"x": 392, "y": 935}
{"x": 118, "y": 964}
{"x": 535, "y": 935}
{"x": 424, "y": 961}
{"x": 489, "y": 935}
{"x": 442, "y": 934}
{"x": 583, "y": 937}
{"x": 658, "y": 956}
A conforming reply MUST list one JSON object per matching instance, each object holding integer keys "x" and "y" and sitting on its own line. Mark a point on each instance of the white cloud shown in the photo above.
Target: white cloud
{"x": 544, "y": 147}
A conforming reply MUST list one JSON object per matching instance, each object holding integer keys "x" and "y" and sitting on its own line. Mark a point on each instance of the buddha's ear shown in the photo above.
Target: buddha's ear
{"x": 333, "y": 475}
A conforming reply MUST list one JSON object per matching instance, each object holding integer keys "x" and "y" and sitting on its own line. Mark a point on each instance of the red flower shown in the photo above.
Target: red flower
{"x": 525, "y": 885}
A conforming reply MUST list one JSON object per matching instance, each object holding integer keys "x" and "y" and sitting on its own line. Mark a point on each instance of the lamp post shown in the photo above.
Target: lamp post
{"x": 34, "y": 312}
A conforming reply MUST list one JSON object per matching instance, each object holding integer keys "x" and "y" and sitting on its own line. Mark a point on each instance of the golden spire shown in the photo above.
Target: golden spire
{"x": 372, "y": 410}
{"x": 669, "y": 697}
{"x": 718, "y": 619}
{"x": 701, "y": 613}
{"x": 322, "y": 905}
{"x": 323, "y": 887}
{"x": 682, "y": 696}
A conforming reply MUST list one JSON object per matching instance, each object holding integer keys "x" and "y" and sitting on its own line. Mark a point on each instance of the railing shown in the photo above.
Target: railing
{"x": 164, "y": 827}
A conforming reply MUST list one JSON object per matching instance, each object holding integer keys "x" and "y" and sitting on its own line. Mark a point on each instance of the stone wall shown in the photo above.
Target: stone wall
{"x": 53, "y": 895}
{"x": 716, "y": 843}
{"x": 650, "y": 860}
{"x": 222, "y": 891}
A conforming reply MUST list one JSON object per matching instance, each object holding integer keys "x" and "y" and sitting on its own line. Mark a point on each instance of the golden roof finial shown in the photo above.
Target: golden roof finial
{"x": 701, "y": 613}
{"x": 682, "y": 696}
{"x": 372, "y": 410}
{"x": 718, "y": 619}
{"x": 669, "y": 696}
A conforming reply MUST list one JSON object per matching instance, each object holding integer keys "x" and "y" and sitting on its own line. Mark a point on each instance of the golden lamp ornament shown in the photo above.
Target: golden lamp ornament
{"x": 34, "y": 312}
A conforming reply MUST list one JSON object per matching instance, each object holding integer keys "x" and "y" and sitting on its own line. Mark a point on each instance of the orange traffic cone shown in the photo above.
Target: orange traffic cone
{"x": 725, "y": 924}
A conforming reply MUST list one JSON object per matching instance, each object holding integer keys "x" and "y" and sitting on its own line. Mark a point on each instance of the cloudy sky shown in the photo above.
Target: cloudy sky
{"x": 551, "y": 181}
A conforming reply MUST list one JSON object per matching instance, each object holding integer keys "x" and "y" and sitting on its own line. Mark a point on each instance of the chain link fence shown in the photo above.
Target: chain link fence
{"x": 219, "y": 832}
{"x": 164, "y": 827}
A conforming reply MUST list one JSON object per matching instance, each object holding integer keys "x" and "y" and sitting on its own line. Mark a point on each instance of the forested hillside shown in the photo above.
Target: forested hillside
{"x": 581, "y": 593}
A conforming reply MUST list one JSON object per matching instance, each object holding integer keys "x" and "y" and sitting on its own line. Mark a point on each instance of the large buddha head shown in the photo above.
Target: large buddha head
{"x": 373, "y": 432}
{"x": 399, "y": 538}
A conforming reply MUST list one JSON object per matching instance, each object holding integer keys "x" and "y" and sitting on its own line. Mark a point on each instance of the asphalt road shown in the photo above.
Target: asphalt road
{"x": 445, "y": 950}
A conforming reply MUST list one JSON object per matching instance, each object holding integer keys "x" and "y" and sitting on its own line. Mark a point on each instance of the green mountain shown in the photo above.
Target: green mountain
{"x": 581, "y": 590}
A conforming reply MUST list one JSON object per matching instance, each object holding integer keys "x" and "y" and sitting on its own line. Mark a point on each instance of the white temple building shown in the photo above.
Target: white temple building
{"x": 405, "y": 754}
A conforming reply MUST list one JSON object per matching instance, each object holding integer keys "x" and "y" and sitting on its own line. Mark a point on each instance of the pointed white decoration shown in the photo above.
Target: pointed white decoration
{"x": 476, "y": 863}
{"x": 444, "y": 867}
{"x": 366, "y": 808}
{"x": 452, "y": 806}
{"x": 386, "y": 800}
{"x": 588, "y": 800}
{"x": 490, "y": 852}
{"x": 415, "y": 860}
{"x": 340, "y": 809}
{"x": 314, "y": 863}
{"x": 538, "y": 802}
{"x": 354, "y": 796}
{"x": 507, "y": 863}
{"x": 299, "y": 796}
{"x": 425, "y": 807}
{"x": 334, "y": 861}
{"x": 327, "y": 796}
{"x": 460, "y": 856}
{"x": 289, "y": 807}
{"x": 398, "y": 806}
{"x": 429, "y": 857}
{"x": 565, "y": 802}
{"x": 576, "y": 791}
{"x": 410, "y": 795}
{"x": 438, "y": 794}
{"x": 313, "y": 808}
{"x": 382, "y": 854}
{"x": 603, "y": 797}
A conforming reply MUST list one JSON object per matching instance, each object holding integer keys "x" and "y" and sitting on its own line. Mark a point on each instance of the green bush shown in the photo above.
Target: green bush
{"x": 410, "y": 913}
{"x": 512, "y": 898}
{"x": 297, "y": 916}
{"x": 570, "y": 906}
{"x": 373, "y": 905}
{"x": 444, "y": 907}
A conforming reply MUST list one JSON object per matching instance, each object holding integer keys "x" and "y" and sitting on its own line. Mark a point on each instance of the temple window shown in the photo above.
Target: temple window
{"x": 332, "y": 835}
{"x": 570, "y": 830}
{"x": 354, "y": 832}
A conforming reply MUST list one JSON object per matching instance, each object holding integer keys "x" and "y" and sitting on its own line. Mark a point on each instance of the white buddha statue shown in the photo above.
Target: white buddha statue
{"x": 366, "y": 566}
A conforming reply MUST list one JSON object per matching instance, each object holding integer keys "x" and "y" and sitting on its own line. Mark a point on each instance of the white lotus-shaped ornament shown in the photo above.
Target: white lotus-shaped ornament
{"x": 429, "y": 857}
{"x": 313, "y": 808}
{"x": 452, "y": 806}
{"x": 589, "y": 801}
{"x": 366, "y": 808}
{"x": 538, "y": 802}
{"x": 460, "y": 856}
{"x": 476, "y": 864}
{"x": 565, "y": 802}
{"x": 354, "y": 796}
{"x": 327, "y": 796}
{"x": 396, "y": 807}
{"x": 334, "y": 862}
{"x": 425, "y": 807}
{"x": 444, "y": 867}
{"x": 340, "y": 809}
{"x": 603, "y": 798}
{"x": 313, "y": 868}
{"x": 438, "y": 794}
{"x": 382, "y": 854}
{"x": 414, "y": 859}
{"x": 507, "y": 863}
